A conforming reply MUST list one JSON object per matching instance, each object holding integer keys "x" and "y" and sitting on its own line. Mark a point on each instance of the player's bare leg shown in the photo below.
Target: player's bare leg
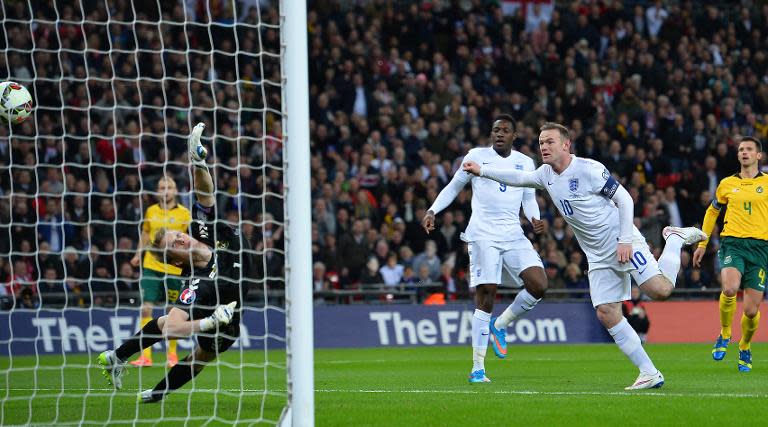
{"x": 535, "y": 286}
{"x": 485, "y": 295}
{"x": 629, "y": 343}
{"x": 660, "y": 287}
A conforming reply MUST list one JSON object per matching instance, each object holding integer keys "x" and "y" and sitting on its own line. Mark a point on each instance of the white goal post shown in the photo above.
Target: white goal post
{"x": 298, "y": 270}
{"x": 116, "y": 87}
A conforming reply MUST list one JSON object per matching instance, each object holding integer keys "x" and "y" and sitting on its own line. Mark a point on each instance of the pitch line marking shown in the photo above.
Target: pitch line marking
{"x": 556, "y": 393}
{"x": 503, "y": 392}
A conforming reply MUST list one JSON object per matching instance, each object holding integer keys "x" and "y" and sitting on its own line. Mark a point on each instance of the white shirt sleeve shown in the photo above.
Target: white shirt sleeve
{"x": 626, "y": 213}
{"x": 604, "y": 184}
{"x": 530, "y": 205}
{"x": 450, "y": 191}
{"x": 513, "y": 177}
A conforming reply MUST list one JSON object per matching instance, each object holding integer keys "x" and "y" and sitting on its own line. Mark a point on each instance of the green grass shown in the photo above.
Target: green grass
{"x": 537, "y": 385}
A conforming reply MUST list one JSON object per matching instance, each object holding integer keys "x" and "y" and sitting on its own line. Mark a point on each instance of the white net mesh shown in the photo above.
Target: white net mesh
{"x": 117, "y": 85}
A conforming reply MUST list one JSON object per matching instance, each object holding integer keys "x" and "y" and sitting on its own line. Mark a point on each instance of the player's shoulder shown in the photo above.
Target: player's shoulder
{"x": 478, "y": 152}
{"x": 584, "y": 162}
{"x": 522, "y": 161}
{"x": 520, "y": 157}
{"x": 730, "y": 180}
{"x": 152, "y": 209}
{"x": 182, "y": 210}
{"x": 591, "y": 167}
{"x": 545, "y": 169}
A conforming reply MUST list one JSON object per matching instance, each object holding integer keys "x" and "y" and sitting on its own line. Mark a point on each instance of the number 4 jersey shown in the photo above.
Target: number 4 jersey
{"x": 747, "y": 202}
{"x": 225, "y": 277}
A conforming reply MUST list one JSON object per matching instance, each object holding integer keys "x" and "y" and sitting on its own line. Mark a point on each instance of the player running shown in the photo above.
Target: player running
{"x": 498, "y": 250}
{"x": 215, "y": 258}
{"x": 599, "y": 210}
{"x": 744, "y": 249}
{"x": 158, "y": 281}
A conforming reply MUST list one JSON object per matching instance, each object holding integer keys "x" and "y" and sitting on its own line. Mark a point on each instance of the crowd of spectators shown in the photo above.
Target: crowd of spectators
{"x": 658, "y": 91}
{"x": 399, "y": 92}
{"x": 115, "y": 97}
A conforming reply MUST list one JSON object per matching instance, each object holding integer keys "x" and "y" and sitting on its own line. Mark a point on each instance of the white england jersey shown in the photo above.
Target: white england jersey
{"x": 495, "y": 207}
{"x": 582, "y": 194}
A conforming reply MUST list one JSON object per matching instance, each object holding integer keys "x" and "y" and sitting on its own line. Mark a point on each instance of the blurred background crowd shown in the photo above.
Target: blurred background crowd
{"x": 399, "y": 91}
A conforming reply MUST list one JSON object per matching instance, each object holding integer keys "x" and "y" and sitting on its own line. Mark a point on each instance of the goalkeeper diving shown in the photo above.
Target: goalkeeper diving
{"x": 214, "y": 259}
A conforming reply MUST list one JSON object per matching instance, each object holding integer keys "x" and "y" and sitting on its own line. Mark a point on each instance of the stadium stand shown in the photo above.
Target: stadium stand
{"x": 399, "y": 92}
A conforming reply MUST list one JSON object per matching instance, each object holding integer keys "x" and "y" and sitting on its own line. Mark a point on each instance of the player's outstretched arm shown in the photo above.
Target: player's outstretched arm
{"x": 513, "y": 177}
{"x": 203, "y": 181}
{"x": 710, "y": 218}
{"x": 444, "y": 199}
{"x": 176, "y": 323}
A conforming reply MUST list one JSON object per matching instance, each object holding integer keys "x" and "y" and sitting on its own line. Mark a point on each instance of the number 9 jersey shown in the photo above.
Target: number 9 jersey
{"x": 495, "y": 206}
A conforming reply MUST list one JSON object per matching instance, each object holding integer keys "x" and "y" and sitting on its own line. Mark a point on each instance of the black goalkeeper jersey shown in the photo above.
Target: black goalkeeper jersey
{"x": 227, "y": 274}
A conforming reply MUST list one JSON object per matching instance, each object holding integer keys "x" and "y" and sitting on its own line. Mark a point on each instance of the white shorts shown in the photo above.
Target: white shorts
{"x": 613, "y": 284}
{"x": 500, "y": 262}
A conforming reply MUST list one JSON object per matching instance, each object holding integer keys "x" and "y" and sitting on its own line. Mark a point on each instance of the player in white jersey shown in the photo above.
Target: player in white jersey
{"x": 499, "y": 252}
{"x": 600, "y": 211}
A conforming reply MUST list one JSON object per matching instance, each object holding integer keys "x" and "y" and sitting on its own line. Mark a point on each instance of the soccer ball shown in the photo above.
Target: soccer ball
{"x": 15, "y": 102}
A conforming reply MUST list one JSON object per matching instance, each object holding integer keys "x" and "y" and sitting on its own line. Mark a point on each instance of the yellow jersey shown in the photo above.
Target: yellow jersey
{"x": 155, "y": 218}
{"x": 747, "y": 212}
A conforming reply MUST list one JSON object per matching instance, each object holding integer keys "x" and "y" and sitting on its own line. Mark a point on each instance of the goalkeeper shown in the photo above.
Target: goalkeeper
{"x": 158, "y": 279}
{"x": 213, "y": 259}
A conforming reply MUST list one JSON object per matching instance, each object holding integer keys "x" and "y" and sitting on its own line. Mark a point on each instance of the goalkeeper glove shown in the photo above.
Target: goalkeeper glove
{"x": 221, "y": 316}
{"x": 197, "y": 153}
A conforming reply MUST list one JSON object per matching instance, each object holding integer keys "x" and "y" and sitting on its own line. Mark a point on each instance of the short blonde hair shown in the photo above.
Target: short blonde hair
{"x": 156, "y": 245}
{"x": 565, "y": 134}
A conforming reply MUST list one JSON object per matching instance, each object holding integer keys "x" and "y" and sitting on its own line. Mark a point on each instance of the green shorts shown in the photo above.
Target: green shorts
{"x": 155, "y": 291}
{"x": 749, "y": 256}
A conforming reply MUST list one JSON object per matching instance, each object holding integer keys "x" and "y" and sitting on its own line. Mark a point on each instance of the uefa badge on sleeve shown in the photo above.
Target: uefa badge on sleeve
{"x": 187, "y": 296}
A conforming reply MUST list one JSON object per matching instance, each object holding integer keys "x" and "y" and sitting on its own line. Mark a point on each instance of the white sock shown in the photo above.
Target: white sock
{"x": 480, "y": 321}
{"x": 629, "y": 343}
{"x": 669, "y": 261}
{"x": 523, "y": 303}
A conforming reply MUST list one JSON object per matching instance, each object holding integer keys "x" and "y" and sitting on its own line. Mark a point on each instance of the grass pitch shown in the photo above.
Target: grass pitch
{"x": 542, "y": 385}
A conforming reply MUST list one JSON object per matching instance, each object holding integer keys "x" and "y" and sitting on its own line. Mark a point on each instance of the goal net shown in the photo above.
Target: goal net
{"x": 117, "y": 86}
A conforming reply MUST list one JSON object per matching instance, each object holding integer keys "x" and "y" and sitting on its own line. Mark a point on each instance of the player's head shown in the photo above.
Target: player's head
{"x": 166, "y": 189}
{"x": 503, "y": 133}
{"x": 172, "y": 247}
{"x": 750, "y": 151}
{"x": 554, "y": 142}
